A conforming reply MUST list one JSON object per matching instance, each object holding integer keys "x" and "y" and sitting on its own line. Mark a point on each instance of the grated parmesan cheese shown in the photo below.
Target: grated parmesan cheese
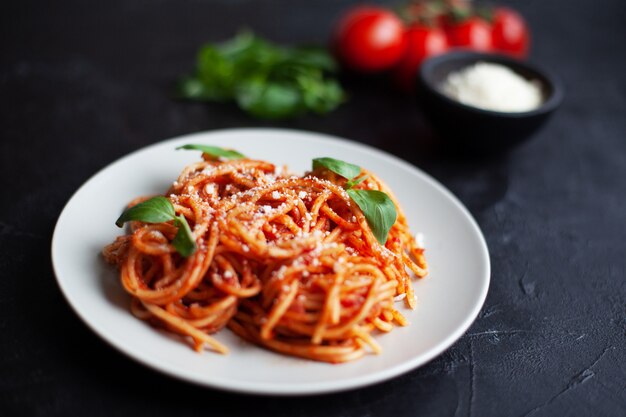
{"x": 493, "y": 87}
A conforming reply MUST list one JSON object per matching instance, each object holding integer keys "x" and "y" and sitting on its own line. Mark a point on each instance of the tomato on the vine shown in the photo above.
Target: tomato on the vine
{"x": 472, "y": 33}
{"x": 422, "y": 42}
{"x": 369, "y": 39}
{"x": 510, "y": 33}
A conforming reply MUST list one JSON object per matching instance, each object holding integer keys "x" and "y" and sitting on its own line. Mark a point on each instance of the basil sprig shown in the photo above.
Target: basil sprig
{"x": 345, "y": 169}
{"x": 354, "y": 182}
{"x": 377, "y": 207}
{"x": 266, "y": 80}
{"x": 214, "y": 151}
{"x": 183, "y": 241}
{"x": 158, "y": 210}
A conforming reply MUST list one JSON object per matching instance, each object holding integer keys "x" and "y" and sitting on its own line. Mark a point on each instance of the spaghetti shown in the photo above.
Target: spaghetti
{"x": 286, "y": 262}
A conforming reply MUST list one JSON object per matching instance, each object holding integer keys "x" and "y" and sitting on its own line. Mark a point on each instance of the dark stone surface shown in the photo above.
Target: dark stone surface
{"x": 83, "y": 83}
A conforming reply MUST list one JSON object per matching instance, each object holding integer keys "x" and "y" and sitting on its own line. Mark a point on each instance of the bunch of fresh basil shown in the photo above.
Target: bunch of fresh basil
{"x": 266, "y": 80}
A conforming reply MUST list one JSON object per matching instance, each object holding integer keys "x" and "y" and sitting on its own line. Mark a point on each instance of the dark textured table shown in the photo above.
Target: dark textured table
{"x": 83, "y": 83}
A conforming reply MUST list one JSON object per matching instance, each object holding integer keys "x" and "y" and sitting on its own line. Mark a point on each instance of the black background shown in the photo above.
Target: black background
{"x": 83, "y": 83}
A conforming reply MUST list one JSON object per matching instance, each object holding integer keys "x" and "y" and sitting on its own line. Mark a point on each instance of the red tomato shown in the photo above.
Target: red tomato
{"x": 369, "y": 39}
{"x": 473, "y": 33}
{"x": 422, "y": 42}
{"x": 510, "y": 33}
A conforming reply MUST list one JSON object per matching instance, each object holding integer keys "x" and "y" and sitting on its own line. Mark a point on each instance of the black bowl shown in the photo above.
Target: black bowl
{"x": 468, "y": 128}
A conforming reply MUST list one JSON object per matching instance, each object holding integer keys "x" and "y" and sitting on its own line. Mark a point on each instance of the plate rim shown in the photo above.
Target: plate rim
{"x": 309, "y": 388}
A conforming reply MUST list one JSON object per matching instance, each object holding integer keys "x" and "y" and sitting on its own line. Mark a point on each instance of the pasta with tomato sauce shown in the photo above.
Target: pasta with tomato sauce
{"x": 286, "y": 262}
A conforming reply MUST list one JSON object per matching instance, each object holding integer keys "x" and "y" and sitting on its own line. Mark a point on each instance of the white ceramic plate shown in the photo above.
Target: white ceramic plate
{"x": 448, "y": 299}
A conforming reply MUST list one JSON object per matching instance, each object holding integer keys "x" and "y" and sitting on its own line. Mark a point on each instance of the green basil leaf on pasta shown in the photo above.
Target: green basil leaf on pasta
{"x": 378, "y": 209}
{"x": 345, "y": 169}
{"x": 356, "y": 181}
{"x": 184, "y": 242}
{"x": 214, "y": 151}
{"x": 155, "y": 210}
{"x": 158, "y": 210}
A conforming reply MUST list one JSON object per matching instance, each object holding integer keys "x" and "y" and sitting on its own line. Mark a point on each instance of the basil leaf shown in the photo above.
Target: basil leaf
{"x": 155, "y": 210}
{"x": 214, "y": 151}
{"x": 312, "y": 57}
{"x": 378, "y": 209}
{"x": 345, "y": 169}
{"x": 267, "y": 100}
{"x": 240, "y": 44}
{"x": 184, "y": 241}
{"x": 320, "y": 95}
{"x": 357, "y": 181}
{"x": 216, "y": 72}
{"x": 158, "y": 210}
